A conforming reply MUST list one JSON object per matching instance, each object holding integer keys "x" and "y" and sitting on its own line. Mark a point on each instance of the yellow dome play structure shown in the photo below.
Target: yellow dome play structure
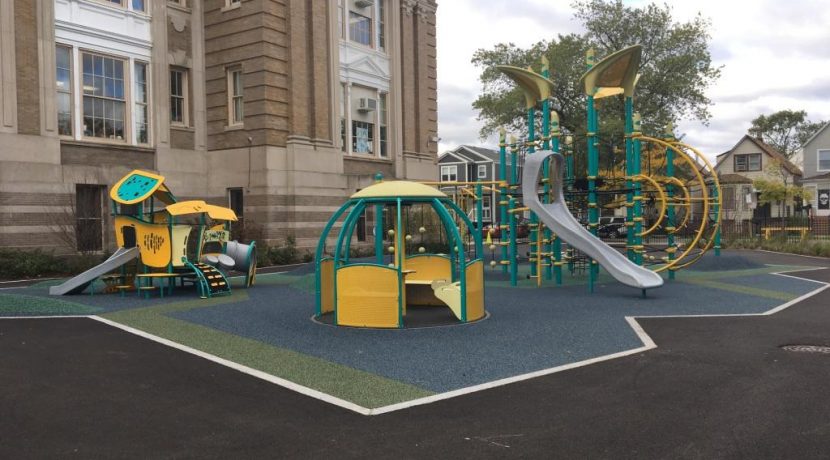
{"x": 375, "y": 293}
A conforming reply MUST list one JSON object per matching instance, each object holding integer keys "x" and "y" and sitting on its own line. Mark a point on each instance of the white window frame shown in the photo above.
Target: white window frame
{"x": 231, "y": 74}
{"x": 485, "y": 208}
{"x": 128, "y": 102}
{"x": 136, "y": 104}
{"x": 231, "y": 5}
{"x": 482, "y": 171}
{"x": 818, "y": 159}
{"x": 185, "y": 121}
{"x": 747, "y": 157}
{"x": 70, "y": 90}
{"x": 451, "y": 170}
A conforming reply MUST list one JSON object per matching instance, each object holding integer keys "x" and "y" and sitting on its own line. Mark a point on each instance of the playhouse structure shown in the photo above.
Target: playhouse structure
{"x": 172, "y": 240}
{"x": 376, "y": 293}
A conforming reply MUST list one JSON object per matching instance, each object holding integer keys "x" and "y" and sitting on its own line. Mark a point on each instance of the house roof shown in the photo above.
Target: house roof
{"x": 733, "y": 179}
{"x": 817, "y": 177}
{"x": 788, "y": 165}
{"x": 815, "y": 134}
{"x": 469, "y": 153}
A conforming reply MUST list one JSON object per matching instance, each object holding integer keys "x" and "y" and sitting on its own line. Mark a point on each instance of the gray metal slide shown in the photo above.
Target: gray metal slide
{"x": 558, "y": 218}
{"x": 77, "y": 284}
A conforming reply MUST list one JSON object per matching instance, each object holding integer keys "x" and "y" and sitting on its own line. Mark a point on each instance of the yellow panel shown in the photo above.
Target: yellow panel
{"x": 136, "y": 172}
{"x": 181, "y": 233}
{"x": 186, "y": 207}
{"x": 428, "y": 268}
{"x": 450, "y": 294}
{"x": 153, "y": 240}
{"x": 221, "y": 213}
{"x": 398, "y": 188}
{"x": 617, "y": 70}
{"x": 535, "y": 87}
{"x": 475, "y": 290}
{"x": 367, "y": 296}
{"x": 327, "y": 285}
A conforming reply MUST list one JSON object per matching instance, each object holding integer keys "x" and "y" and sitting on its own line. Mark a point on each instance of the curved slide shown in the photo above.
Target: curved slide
{"x": 77, "y": 284}
{"x": 558, "y": 218}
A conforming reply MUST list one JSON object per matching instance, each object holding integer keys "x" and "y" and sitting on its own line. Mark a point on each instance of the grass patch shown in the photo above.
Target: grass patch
{"x": 359, "y": 387}
{"x": 24, "y": 305}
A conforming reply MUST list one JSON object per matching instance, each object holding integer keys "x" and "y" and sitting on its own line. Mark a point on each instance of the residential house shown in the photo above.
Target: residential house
{"x": 748, "y": 160}
{"x": 470, "y": 164}
{"x": 816, "y": 180}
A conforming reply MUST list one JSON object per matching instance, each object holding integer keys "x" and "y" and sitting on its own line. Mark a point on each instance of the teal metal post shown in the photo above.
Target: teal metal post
{"x": 638, "y": 193}
{"x": 548, "y": 119}
{"x": 514, "y": 266}
{"x": 593, "y": 171}
{"x": 503, "y": 225}
{"x": 671, "y": 216}
{"x": 629, "y": 184}
{"x": 399, "y": 234}
{"x": 533, "y": 244}
{"x": 557, "y": 242}
{"x": 480, "y": 215}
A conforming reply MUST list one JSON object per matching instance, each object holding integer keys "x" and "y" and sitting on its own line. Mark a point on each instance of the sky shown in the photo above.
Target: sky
{"x": 774, "y": 55}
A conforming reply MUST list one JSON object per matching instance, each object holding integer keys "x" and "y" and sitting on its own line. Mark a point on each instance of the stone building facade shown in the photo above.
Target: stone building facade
{"x": 278, "y": 108}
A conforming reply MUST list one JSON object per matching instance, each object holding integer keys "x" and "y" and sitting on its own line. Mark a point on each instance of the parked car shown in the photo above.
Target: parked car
{"x": 612, "y": 227}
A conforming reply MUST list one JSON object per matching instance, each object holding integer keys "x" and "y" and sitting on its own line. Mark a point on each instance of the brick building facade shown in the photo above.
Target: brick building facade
{"x": 279, "y": 108}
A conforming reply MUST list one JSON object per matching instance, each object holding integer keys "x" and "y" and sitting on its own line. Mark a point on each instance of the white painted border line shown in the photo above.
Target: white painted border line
{"x": 791, "y": 254}
{"x": 241, "y": 368}
{"x": 46, "y": 317}
{"x": 648, "y": 344}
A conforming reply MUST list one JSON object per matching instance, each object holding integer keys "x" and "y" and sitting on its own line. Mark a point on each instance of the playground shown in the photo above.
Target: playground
{"x": 438, "y": 314}
{"x": 498, "y": 363}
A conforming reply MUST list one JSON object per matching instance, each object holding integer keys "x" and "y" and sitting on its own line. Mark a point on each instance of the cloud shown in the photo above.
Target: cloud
{"x": 774, "y": 56}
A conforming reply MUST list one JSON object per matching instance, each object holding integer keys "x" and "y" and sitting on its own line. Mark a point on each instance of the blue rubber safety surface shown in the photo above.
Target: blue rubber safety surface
{"x": 528, "y": 329}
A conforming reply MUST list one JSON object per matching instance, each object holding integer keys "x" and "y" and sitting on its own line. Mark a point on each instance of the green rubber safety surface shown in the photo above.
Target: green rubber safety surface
{"x": 24, "y": 305}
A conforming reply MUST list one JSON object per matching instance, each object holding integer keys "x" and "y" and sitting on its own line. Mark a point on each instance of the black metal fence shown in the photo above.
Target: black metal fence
{"x": 791, "y": 229}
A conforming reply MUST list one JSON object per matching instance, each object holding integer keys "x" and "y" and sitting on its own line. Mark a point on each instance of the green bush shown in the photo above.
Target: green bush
{"x": 19, "y": 264}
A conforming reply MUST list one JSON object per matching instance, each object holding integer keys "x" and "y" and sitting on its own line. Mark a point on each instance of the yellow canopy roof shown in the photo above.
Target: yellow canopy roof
{"x": 198, "y": 207}
{"x": 616, "y": 71}
{"x": 535, "y": 87}
{"x": 399, "y": 189}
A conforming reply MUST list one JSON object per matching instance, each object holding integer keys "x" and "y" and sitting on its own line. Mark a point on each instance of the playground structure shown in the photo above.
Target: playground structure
{"x": 684, "y": 185}
{"x": 375, "y": 293}
{"x": 159, "y": 239}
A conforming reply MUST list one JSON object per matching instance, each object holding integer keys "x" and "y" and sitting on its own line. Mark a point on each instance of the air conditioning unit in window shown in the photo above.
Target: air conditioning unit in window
{"x": 364, "y": 3}
{"x": 367, "y": 104}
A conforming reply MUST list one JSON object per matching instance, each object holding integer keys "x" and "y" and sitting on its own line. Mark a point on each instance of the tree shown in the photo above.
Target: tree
{"x": 785, "y": 130}
{"x": 776, "y": 187}
{"x": 676, "y": 69}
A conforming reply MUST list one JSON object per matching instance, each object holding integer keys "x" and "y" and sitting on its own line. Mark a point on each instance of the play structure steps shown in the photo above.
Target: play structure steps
{"x": 211, "y": 281}
{"x": 450, "y": 294}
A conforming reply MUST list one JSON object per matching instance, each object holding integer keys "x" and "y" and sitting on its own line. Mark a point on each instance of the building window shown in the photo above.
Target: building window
{"x": 236, "y": 104}
{"x": 449, "y": 173}
{"x": 360, "y": 28}
{"x": 63, "y": 83}
{"x": 89, "y": 223}
{"x": 343, "y": 104}
{"x": 104, "y": 99}
{"x": 360, "y": 229}
{"x": 138, "y": 5}
{"x": 728, "y": 199}
{"x": 383, "y": 114}
{"x": 482, "y": 171}
{"x": 485, "y": 208}
{"x": 236, "y": 202}
{"x": 362, "y": 137}
{"x": 178, "y": 97}
{"x": 140, "y": 98}
{"x": 748, "y": 162}
{"x": 381, "y": 27}
{"x": 824, "y": 160}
